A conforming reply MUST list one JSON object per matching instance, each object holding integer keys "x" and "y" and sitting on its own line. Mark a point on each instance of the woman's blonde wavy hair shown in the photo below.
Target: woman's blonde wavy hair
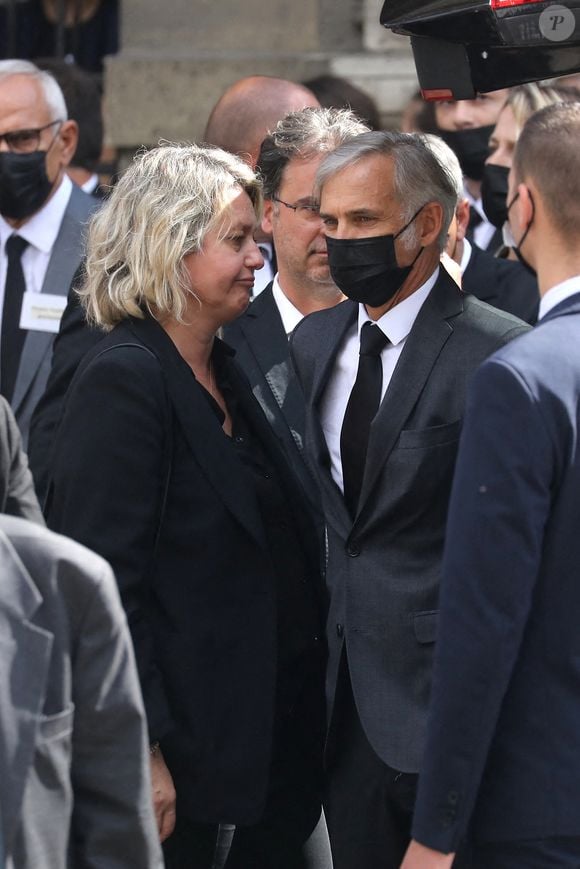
{"x": 160, "y": 210}
{"x": 528, "y": 98}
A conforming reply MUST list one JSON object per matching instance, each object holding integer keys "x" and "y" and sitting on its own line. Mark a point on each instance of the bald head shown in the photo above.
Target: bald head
{"x": 249, "y": 109}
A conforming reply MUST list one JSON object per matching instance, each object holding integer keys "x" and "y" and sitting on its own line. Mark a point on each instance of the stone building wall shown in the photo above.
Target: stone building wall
{"x": 178, "y": 56}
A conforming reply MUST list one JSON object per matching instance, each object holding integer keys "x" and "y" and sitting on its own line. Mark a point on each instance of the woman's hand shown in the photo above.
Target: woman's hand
{"x": 163, "y": 795}
{"x": 420, "y": 857}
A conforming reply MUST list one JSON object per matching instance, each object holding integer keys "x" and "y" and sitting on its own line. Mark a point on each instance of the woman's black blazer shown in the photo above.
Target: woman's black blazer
{"x": 143, "y": 474}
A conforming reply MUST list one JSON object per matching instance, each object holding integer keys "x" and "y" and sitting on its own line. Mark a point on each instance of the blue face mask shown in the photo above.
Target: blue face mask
{"x": 508, "y": 236}
{"x": 366, "y": 269}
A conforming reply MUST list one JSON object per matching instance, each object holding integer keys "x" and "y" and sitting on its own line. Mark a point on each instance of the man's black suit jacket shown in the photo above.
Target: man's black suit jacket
{"x": 262, "y": 350}
{"x": 144, "y": 475}
{"x": 75, "y": 338}
{"x": 503, "y": 283}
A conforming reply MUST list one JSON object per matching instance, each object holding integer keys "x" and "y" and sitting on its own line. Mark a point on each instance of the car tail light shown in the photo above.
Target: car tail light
{"x": 433, "y": 94}
{"x": 503, "y": 4}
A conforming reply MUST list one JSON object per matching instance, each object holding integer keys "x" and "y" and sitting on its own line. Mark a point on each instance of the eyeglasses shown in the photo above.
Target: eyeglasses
{"x": 308, "y": 211}
{"x": 25, "y": 141}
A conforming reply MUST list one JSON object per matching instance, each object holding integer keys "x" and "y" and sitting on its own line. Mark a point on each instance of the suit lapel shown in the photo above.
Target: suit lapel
{"x": 25, "y": 651}
{"x": 62, "y": 265}
{"x": 267, "y": 341}
{"x": 426, "y": 340}
{"x": 327, "y": 346}
{"x": 213, "y": 452}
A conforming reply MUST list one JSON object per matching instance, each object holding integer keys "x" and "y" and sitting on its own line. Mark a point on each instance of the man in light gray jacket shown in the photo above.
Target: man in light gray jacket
{"x": 17, "y": 495}
{"x": 74, "y": 767}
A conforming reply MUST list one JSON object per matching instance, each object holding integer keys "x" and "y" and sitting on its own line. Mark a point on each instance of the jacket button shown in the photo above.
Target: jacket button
{"x": 339, "y": 630}
{"x": 452, "y": 798}
{"x": 448, "y": 817}
{"x": 353, "y": 549}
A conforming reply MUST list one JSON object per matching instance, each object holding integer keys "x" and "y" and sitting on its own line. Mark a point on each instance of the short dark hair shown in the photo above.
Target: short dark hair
{"x": 335, "y": 92}
{"x": 82, "y": 95}
{"x": 547, "y": 153}
{"x": 303, "y": 134}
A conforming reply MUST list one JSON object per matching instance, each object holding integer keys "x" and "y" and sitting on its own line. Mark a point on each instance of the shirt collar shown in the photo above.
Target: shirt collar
{"x": 398, "y": 322}
{"x": 557, "y": 294}
{"x": 43, "y": 227}
{"x": 290, "y": 314}
{"x": 91, "y": 184}
{"x": 474, "y": 203}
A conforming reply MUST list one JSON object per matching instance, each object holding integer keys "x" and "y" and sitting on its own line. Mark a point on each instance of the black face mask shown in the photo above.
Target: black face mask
{"x": 509, "y": 239}
{"x": 366, "y": 269}
{"x": 494, "y": 191}
{"x": 24, "y": 184}
{"x": 471, "y": 147}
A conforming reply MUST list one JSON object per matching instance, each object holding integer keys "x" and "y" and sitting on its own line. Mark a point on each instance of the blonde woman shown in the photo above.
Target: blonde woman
{"x": 522, "y": 101}
{"x": 165, "y": 465}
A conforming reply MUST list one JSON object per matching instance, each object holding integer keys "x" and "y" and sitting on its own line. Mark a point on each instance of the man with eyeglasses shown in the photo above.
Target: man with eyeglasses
{"x": 288, "y": 161}
{"x": 42, "y": 215}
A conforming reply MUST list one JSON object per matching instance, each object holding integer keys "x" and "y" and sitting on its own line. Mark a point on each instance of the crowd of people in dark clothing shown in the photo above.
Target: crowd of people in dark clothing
{"x": 289, "y": 467}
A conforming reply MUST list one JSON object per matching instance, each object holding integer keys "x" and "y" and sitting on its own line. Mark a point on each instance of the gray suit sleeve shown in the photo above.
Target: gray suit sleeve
{"x": 113, "y": 822}
{"x": 17, "y": 495}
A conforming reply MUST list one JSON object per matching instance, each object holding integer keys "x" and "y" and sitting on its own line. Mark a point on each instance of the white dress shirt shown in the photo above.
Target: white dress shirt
{"x": 91, "y": 185}
{"x": 557, "y": 294}
{"x": 263, "y": 276}
{"x": 40, "y": 231}
{"x": 396, "y": 324}
{"x": 290, "y": 314}
{"x": 482, "y": 234}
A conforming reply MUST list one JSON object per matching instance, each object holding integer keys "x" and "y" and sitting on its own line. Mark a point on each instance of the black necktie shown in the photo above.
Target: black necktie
{"x": 13, "y": 336}
{"x": 360, "y": 411}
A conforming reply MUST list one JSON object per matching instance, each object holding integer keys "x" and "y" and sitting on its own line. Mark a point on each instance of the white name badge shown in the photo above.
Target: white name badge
{"x": 42, "y": 312}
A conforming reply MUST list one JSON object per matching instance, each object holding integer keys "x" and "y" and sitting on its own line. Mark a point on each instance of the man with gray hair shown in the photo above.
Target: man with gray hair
{"x": 385, "y": 377}
{"x": 41, "y": 222}
{"x": 288, "y": 161}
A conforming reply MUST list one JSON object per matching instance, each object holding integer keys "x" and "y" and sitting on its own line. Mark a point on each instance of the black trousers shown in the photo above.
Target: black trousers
{"x": 368, "y": 805}
{"x": 268, "y": 845}
{"x": 289, "y": 835}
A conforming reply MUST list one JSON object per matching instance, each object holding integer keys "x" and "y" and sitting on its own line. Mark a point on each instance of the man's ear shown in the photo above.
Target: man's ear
{"x": 69, "y": 137}
{"x": 267, "y": 217}
{"x": 462, "y": 215}
{"x": 526, "y": 204}
{"x": 430, "y": 223}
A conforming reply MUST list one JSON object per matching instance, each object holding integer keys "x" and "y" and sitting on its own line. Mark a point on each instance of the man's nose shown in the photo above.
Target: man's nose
{"x": 463, "y": 115}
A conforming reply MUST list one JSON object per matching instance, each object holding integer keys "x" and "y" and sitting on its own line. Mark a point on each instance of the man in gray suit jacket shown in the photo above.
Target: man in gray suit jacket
{"x": 42, "y": 219}
{"x": 17, "y": 495}
{"x": 287, "y": 163}
{"x": 74, "y": 761}
{"x": 382, "y": 432}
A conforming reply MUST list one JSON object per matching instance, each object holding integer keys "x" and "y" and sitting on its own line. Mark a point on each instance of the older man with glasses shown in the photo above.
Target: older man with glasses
{"x": 41, "y": 222}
